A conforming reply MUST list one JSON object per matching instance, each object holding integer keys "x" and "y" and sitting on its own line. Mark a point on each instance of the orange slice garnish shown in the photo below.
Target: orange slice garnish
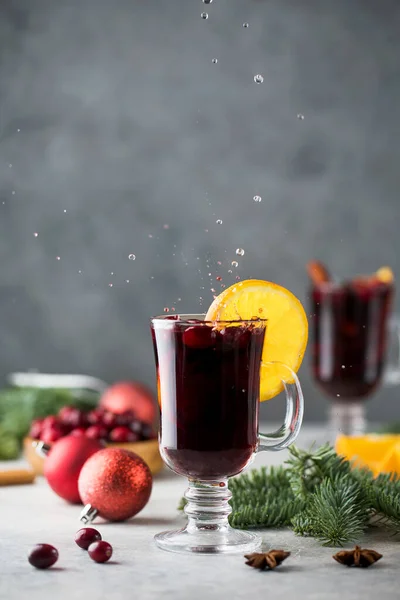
{"x": 385, "y": 275}
{"x": 287, "y": 326}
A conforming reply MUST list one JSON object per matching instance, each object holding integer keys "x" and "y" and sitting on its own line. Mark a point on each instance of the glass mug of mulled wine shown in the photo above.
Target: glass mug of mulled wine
{"x": 208, "y": 379}
{"x": 351, "y": 327}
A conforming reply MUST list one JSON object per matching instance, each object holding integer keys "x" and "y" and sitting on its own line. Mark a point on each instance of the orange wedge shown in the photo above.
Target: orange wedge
{"x": 287, "y": 327}
{"x": 385, "y": 275}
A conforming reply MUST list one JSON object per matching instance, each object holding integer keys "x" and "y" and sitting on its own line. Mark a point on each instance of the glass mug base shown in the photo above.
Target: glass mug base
{"x": 208, "y": 530}
{"x": 224, "y": 540}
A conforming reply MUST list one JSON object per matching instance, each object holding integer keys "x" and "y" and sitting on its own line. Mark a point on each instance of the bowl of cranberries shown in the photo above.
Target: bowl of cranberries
{"x": 122, "y": 430}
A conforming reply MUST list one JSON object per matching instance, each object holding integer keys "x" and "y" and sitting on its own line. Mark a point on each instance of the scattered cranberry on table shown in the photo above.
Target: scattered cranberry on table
{"x": 100, "y": 551}
{"x": 87, "y": 536}
{"x": 43, "y": 556}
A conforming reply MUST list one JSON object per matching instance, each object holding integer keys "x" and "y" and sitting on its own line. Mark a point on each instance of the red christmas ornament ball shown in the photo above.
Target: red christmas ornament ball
{"x": 64, "y": 463}
{"x": 130, "y": 396}
{"x": 116, "y": 483}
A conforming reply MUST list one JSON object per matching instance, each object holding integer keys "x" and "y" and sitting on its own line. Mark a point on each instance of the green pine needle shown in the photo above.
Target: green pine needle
{"x": 319, "y": 494}
{"x": 384, "y": 495}
{"x": 306, "y": 470}
{"x": 337, "y": 512}
{"x": 263, "y": 499}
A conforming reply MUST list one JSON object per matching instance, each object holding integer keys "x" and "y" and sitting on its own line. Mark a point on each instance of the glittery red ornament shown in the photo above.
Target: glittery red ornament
{"x": 114, "y": 484}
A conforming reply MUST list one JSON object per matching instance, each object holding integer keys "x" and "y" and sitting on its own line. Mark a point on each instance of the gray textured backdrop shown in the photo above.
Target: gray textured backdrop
{"x": 119, "y": 135}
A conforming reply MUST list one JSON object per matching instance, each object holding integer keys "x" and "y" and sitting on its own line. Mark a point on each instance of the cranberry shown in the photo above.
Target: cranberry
{"x": 123, "y": 434}
{"x": 78, "y": 431}
{"x": 199, "y": 337}
{"x": 86, "y": 536}
{"x": 52, "y": 434}
{"x": 36, "y": 429}
{"x": 50, "y": 421}
{"x": 100, "y": 551}
{"x": 109, "y": 420}
{"x": 126, "y": 417}
{"x": 235, "y": 337}
{"x": 72, "y": 417}
{"x": 43, "y": 556}
{"x": 96, "y": 432}
{"x": 95, "y": 417}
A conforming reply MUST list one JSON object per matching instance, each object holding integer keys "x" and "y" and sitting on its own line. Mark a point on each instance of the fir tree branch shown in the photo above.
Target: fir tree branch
{"x": 306, "y": 470}
{"x": 384, "y": 495}
{"x": 337, "y": 512}
{"x": 318, "y": 494}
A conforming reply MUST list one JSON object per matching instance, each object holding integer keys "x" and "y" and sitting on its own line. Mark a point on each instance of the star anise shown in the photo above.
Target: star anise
{"x": 266, "y": 560}
{"x": 359, "y": 557}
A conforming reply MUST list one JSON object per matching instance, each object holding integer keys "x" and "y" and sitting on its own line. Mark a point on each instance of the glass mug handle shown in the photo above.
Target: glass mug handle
{"x": 392, "y": 371}
{"x": 288, "y": 432}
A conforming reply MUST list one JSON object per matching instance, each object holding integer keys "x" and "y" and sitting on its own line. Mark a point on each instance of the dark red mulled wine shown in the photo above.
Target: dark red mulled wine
{"x": 208, "y": 386}
{"x": 349, "y": 327}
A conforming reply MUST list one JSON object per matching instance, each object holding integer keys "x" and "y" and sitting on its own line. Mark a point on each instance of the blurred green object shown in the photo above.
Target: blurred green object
{"x": 20, "y": 406}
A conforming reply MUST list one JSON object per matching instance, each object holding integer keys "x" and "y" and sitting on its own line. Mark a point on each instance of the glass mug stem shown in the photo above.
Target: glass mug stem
{"x": 347, "y": 418}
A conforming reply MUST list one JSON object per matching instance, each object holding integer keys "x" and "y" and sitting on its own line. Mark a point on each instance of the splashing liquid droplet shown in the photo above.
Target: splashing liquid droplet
{"x": 300, "y": 117}
{"x": 258, "y": 78}
{"x": 36, "y": 234}
{"x": 204, "y": 15}
{"x": 110, "y": 285}
{"x": 240, "y": 251}
{"x": 214, "y": 61}
{"x": 229, "y": 270}
{"x": 132, "y": 257}
{"x": 219, "y": 221}
{"x": 58, "y": 257}
{"x": 245, "y": 25}
{"x": 207, "y": 1}
{"x": 166, "y": 309}
{"x": 218, "y": 278}
{"x": 257, "y": 198}
{"x": 234, "y": 263}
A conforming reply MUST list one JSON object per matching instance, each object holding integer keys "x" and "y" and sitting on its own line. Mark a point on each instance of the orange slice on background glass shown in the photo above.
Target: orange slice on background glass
{"x": 287, "y": 326}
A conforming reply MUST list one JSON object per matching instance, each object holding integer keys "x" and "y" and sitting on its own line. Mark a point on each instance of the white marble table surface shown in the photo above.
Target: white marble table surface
{"x": 138, "y": 569}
